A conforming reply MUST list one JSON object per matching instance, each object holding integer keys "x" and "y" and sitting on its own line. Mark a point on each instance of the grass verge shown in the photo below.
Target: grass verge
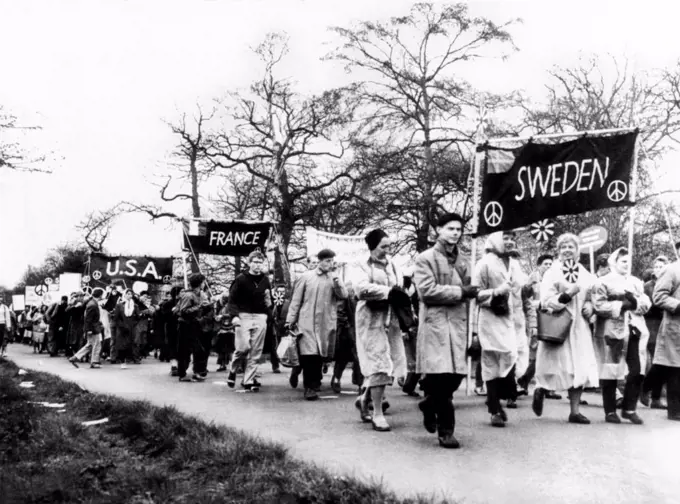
{"x": 145, "y": 454}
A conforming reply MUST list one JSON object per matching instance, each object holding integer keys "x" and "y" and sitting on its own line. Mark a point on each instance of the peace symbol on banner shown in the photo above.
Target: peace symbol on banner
{"x": 167, "y": 279}
{"x": 41, "y": 289}
{"x": 49, "y": 281}
{"x": 97, "y": 275}
{"x": 86, "y": 279}
{"x": 542, "y": 230}
{"x": 87, "y": 289}
{"x": 570, "y": 270}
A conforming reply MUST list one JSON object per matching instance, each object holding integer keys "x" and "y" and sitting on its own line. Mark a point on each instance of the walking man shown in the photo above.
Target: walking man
{"x": 94, "y": 329}
{"x": 313, "y": 310}
{"x": 442, "y": 278}
{"x": 188, "y": 311}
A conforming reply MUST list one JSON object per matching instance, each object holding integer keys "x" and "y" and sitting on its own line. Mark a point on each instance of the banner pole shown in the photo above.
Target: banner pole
{"x": 186, "y": 276}
{"x": 591, "y": 252}
{"x": 631, "y": 215}
{"x": 475, "y": 226}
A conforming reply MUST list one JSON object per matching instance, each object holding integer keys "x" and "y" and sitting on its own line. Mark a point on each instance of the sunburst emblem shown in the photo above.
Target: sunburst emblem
{"x": 279, "y": 298}
{"x": 570, "y": 270}
{"x": 542, "y": 230}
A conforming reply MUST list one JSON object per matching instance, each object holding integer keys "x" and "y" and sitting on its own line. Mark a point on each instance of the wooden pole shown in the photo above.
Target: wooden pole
{"x": 186, "y": 275}
{"x": 591, "y": 252}
{"x": 631, "y": 215}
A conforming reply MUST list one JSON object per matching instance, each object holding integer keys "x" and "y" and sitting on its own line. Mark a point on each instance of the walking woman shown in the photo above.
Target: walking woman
{"x": 379, "y": 339}
{"x": 621, "y": 336}
{"x": 572, "y": 365}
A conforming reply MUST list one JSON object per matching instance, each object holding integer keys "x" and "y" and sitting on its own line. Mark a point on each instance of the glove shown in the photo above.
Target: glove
{"x": 470, "y": 291}
{"x": 499, "y": 305}
{"x": 395, "y": 289}
{"x": 564, "y": 298}
{"x": 631, "y": 297}
{"x": 616, "y": 297}
{"x": 634, "y": 332}
{"x": 627, "y": 304}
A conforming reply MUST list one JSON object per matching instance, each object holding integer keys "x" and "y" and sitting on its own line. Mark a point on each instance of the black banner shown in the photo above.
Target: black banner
{"x": 541, "y": 181}
{"x": 236, "y": 238}
{"x": 153, "y": 270}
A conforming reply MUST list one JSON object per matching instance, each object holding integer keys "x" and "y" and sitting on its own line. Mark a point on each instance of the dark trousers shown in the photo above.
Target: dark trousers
{"x": 346, "y": 352}
{"x": 528, "y": 375}
{"x": 201, "y": 361}
{"x": 271, "y": 343}
{"x": 500, "y": 388}
{"x": 633, "y": 384}
{"x": 439, "y": 389}
{"x": 654, "y": 381}
{"x": 412, "y": 377}
{"x": 4, "y": 336}
{"x": 670, "y": 376}
{"x": 188, "y": 346}
{"x": 224, "y": 346}
{"x": 311, "y": 371}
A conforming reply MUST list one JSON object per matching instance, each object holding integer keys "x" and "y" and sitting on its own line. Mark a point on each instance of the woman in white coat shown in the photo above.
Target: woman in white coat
{"x": 570, "y": 366}
{"x": 380, "y": 346}
{"x": 621, "y": 336}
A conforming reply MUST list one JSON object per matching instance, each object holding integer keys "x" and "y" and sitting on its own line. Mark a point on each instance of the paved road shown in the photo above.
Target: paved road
{"x": 532, "y": 460}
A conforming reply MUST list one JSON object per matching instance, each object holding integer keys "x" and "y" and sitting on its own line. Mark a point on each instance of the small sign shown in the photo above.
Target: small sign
{"x": 49, "y": 281}
{"x": 592, "y": 239}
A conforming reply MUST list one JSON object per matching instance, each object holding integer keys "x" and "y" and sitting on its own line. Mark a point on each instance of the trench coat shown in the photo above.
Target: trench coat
{"x": 667, "y": 296}
{"x": 314, "y": 308}
{"x": 125, "y": 327}
{"x": 571, "y": 364}
{"x": 503, "y": 338}
{"x": 611, "y": 323}
{"x": 380, "y": 345}
{"x": 443, "y": 313}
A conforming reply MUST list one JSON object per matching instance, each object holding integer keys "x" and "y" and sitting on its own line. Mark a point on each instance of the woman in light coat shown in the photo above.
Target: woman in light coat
{"x": 380, "y": 346}
{"x": 667, "y": 353}
{"x": 501, "y": 322}
{"x": 570, "y": 366}
{"x": 621, "y": 335}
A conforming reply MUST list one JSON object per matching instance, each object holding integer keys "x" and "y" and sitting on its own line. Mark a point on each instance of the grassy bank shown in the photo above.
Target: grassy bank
{"x": 144, "y": 454}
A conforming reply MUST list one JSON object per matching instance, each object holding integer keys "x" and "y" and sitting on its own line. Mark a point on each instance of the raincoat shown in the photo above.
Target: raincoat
{"x": 611, "y": 324}
{"x": 314, "y": 308}
{"x": 443, "y": 314}
{"x": 503, "y": 338}
{"x": 667, "y": 296}
{"x": 571, "y": 364}
{"x": 380, "y": 346}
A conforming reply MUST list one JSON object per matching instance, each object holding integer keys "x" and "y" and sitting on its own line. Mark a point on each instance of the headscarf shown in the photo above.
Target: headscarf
{"x": 621, "y": 251}
{"x": 494, "y": 243}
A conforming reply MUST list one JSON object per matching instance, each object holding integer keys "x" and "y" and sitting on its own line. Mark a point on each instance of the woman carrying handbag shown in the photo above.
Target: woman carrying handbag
{"x": 565, "y": 358}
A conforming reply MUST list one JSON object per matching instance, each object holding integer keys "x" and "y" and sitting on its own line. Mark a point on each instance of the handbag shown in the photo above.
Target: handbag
{"x": 553, "y": 327}
{"x": 287, "y": 351}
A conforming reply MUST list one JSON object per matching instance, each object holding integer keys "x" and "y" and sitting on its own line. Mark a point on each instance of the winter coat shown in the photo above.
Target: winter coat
{"x": 611, "y": 324}
{"x": 443, "y": 314}
{"x": 502, "y": 337}
{"x": 125, "y": 326}
{"x": 653, "y": 317}
{"x": 380, "y": 346}
{"x": 573, "y": 363}
{"x": 75, "y": 335}
{"x": 667, "y": 296}
{"x": 313, "y": 308}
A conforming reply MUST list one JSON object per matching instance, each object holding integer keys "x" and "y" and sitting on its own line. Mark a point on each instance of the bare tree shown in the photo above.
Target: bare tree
{"x": 411, "y": 95}
{"x": 12, "y": 155}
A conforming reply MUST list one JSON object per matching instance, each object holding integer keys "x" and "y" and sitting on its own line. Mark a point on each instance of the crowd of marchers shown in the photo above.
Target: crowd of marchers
{"x": 622, "y": 338}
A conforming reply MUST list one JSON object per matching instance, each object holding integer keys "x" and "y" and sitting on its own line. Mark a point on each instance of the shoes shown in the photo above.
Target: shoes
{"x": 480, "y": 391}
{"x": 96, "y": 365}
{"x": 335, "y": 385}
{"x": 429, "y": 417}
{"x": 74, "y": 362}
{"x": 221, "y": 369}
{"x": 578, "y": 419}
{"x": 522, "y": 391}
{"x": 380, "y": 424}
{"x": 448, "y": 442}
{"x": 657, "y": 404}
{"x": 646, "y": 398}
{"x": 197, "y": 378}
{"x": 632, "y": 416}
{"x": 311, "y": 395}
{"x": 276, "y": 371}
{"x": 537, "y": 404}
{"x": 612, "y": 418}
{"x": 364, "y": 412}
{"x": 583, "y": 402}
{"x": 325, "y": 369}
{"x": 413, "y": 393}
{"x": 511, "y": 404}
{"x": 385, "y": 405}
{"x": 231, "y": 379}
{"x": 619, "y": 403}
{"x": 294, "y": 379}
{"x": 503, "y": 415}
{"x": 551, "y": 394}
{"x": 123, "y": 366}
{"x": 401, "y": 381}
{"x": 674, "y": 417}
{"x": 185, "y": 378}
{"x": 253, "y": 387}
{"x": 497, "y": 420}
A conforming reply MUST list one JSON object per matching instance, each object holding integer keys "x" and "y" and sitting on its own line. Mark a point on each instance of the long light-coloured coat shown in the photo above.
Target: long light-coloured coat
{"x": 443, "y": 314}
{"x": 611, "y": 323}
{"x": 667, "y": 296}
{"x": 571, "y": 364}
{"x": 503, "y": 338}
{"x": 380, "y": 345}
{"x": 314, "y": 308}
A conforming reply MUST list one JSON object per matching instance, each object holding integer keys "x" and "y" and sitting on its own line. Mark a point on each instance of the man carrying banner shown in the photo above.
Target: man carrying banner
{"x": 442, "y": 278}
{"x": 313, "y": 311}
{"x": 93, "y": 331}
{"x": 250, "y": 296}
{"x": 501, "y": 323}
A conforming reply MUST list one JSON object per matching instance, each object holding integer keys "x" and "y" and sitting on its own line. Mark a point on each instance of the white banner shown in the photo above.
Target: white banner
{"x": 32, "y": 298}
{"x": 69, "y": 283}
{"x": 348, "y": 249}
{"x": 18, "y": 302}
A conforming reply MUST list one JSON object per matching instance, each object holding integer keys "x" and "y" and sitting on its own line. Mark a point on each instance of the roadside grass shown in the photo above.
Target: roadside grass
{"x": 146, "y": 454}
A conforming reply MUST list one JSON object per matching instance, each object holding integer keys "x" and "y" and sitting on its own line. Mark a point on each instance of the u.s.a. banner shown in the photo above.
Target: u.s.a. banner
{"x": 104, "y": 268}
{"x": 541, "y": 181}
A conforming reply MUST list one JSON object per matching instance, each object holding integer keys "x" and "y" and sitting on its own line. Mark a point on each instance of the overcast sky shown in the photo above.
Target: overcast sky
{"x": 99, "y": 77}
